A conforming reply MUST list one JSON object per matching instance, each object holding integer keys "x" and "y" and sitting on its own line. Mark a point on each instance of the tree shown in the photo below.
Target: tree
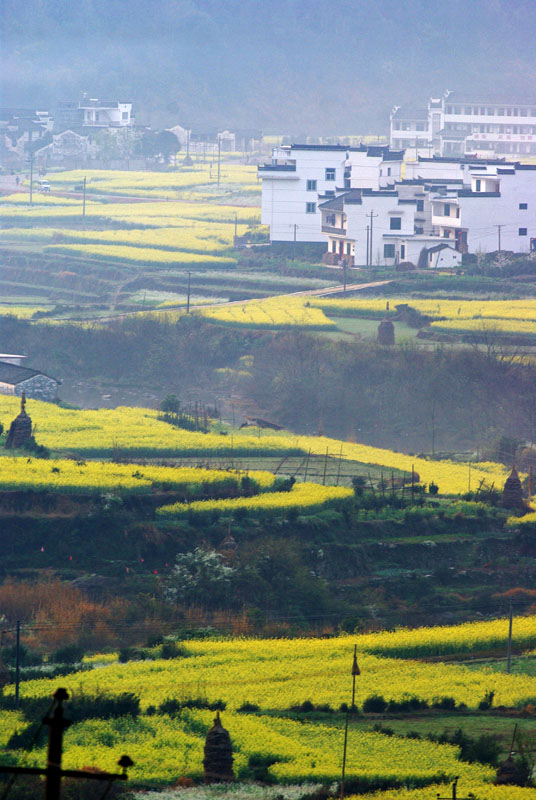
{"x": 199, "y": 577}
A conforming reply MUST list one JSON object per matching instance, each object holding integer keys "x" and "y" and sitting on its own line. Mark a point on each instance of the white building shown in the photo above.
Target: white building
{"x": 300, "y": 176}
{"x": 93, "y": 113}
{"x": 460, "y": 124}
{"x": 491, "y": 206}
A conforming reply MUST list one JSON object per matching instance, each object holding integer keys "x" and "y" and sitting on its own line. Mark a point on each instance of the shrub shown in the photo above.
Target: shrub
{"x": 248, "y": 707}
{"x": 374, "y": 704}
{"x": 444, "y": 703}
{"x": 69, "y": 654}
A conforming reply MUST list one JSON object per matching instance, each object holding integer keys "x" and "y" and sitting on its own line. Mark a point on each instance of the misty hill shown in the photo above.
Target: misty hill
{"x": 287, "y": 65}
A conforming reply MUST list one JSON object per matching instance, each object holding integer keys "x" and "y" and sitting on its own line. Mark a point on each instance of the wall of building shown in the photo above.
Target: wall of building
{"x": 40, "y": 387}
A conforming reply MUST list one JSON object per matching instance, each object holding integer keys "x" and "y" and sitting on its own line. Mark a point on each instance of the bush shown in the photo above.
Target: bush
{"x": 69, "y": 654}
{"x": 248, "y": 707}
{"x": 445, "y": 703}
{"x": 375, "y": 704}
{"x": 173, "y": 650}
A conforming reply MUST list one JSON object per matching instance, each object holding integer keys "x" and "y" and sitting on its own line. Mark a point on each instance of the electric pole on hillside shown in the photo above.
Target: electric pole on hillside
{"x": 368, "y": 244}
{"x": 372, "y": 215}
{"x": 355, "y": 672}
{"x": 31, "y": 162}
{"x": 188, "y": 293}
{"x": 53, "y": 771}
{"x": 294, "y": 244}
{"x": 84, "y": 198}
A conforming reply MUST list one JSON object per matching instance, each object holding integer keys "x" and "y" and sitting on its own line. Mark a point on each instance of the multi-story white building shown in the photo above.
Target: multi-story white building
{"x": 485, "y": 207}
{"x": 93, "y": 113}
{"x": 460, "y": 124}
{"x": 300, "y": 176}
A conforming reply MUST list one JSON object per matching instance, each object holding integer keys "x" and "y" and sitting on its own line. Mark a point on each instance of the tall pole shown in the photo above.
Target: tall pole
{"x": 57, "y": 724}
{"x": 368, "y": 237}
{"x": 236, "y": 224}
{"x": 31, "y": 175}
{"x": 509, "y": 652}
{"x": 371, "y": 215}
{"x": 219, "y": 157}
{"x": 188, "y": 294}
{"x": 499, "y": 236}
{"x": 344, "y": 268}
{"x": 84, "y": 198}
{"x": 17, "y": 667}
{"x": 294, "y": 244}
{"x": 355, "y": 672}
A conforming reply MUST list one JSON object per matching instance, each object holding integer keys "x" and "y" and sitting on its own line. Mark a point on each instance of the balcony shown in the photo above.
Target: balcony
{"x": 446, "y": 222}
{"x": 334, "y": 231}
{"x": 277, "y": 168}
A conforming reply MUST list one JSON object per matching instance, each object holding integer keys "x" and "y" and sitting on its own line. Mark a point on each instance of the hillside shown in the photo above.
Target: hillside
{"x": 265, "y": 65}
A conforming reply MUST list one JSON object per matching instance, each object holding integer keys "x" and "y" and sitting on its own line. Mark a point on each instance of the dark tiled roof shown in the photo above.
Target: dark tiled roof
{"x": 13, "y": 374}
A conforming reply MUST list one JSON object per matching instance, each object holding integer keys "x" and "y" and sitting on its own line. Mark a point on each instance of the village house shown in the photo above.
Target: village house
{"x": 300, "y": 176}
{"x": 487, "y": 207}
{"x": 16, "y": 379}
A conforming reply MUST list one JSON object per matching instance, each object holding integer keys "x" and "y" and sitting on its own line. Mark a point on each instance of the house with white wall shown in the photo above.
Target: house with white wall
{"x": 491, "y": 207}
{"x": 459, "y": 123}
{"x": 92, "y": 113}
{"x": 301, "y": 176}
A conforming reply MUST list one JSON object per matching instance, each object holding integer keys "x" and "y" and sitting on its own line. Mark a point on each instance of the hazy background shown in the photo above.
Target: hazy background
{"x": 287, "y": 65}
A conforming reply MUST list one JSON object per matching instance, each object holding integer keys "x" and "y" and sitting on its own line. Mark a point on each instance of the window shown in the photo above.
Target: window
{"x": 395, "y": 223}
{"x": 418, "y": 229}
{"x": 310, "y": 208}
{"x": 348, "y": 249}
{"x": 523, "y": 206}
{"x": 478, "y": 184}
{"x": 311, "y": 186}
{"x": 402, "y": 251}
{"x": 124, "y": 115}
{"x": 333, "y": 247}
{"x": 446, "y": 210}
{"x": 522, "y": 231}
{"x": 388, "y": 251}
{"x": 330, "y": 173}
{"x": 420, "y": 205}
{"x": 388, "y": 171}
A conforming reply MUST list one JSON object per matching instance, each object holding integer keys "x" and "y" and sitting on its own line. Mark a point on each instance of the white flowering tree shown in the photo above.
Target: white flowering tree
{"x": 201, "y": 577}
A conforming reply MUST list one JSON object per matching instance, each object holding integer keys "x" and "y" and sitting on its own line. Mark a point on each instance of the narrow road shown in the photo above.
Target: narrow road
{"x": 338, "y": 289}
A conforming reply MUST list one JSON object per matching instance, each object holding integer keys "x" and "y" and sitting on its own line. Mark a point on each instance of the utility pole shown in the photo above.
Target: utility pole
{"x": 53, "y": 772}
{"x": 219, "y": 158}
{"x": 344, "y": 268}
{"x": 17, "y": 666}
{"x": 31, "y": 174}
{"x": 368, "y": 237}
{"x": 509, "y": 651}
{"x": 372, "y": 215}
{"x": 294, "y": 244}
{"x": 84, "y": 198}
{"x": 235, "y": 224}
{"x": 499, "y": 235}
{"x": 188, "y": 294}
{"x": 355, "y": 672}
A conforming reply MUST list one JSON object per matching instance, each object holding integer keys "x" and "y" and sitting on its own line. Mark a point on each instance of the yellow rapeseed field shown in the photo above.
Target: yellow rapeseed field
{"x": 98, "y": 433}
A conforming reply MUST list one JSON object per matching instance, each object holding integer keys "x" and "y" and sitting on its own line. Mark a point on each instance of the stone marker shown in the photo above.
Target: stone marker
{"x": 218, "y": 760}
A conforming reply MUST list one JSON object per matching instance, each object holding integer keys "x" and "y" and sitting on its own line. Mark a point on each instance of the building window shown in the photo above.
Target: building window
{"x": 522, "y": 231}
{"x": 388, "y": 251}
{"x": 420, "y": 205}
{"x": 419, "y": 230}
{"x": 395, "y": 223}
{"x": 388, "y": 171}
{"x": 333, "y": 247}
{"x": 310, "y": 208}
{"x": 402, "y": 251}
{"x": 311, "y": 186}
{"x": 523, "y": 206}
{"x": 330, "y": 173}
{"x": 446, "y": 210}
{"x": 124, "y": 115}
{"x": 348, "y": 249}
{"x": 478, "y": 184}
